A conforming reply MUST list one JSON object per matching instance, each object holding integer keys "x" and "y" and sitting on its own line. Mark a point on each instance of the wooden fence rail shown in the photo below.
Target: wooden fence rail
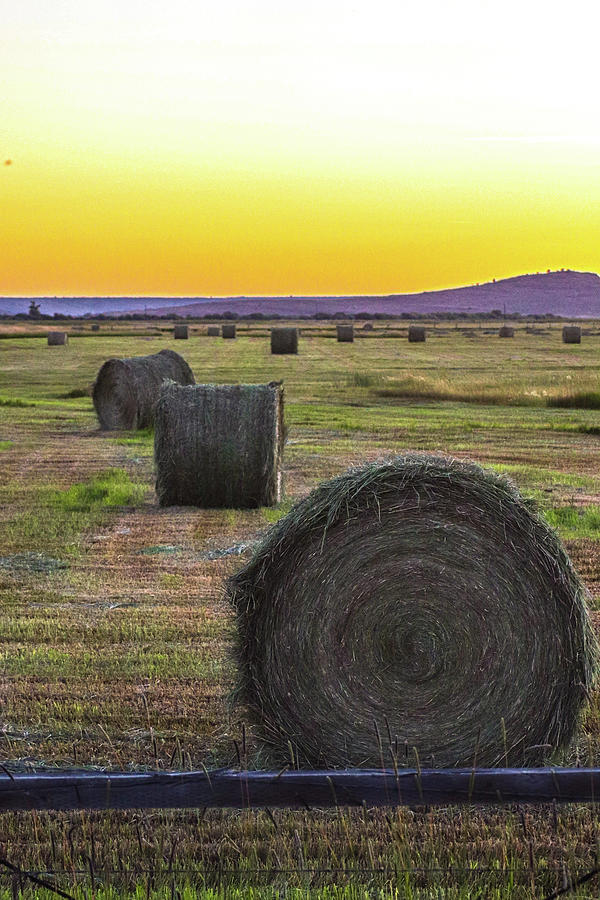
{"x": 224, "y": 788}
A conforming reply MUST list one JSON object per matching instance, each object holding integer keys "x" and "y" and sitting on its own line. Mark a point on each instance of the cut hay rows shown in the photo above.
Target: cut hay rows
{"x": 421, "y": 603}
{"x": 571, "y": 334}
{"x": 345, "y": 333}
{"x": 126, "y": 390}
{"x": 229, "y": 331}
{"x": 57, "y": 338}
{"x": 219, "y": 445}
{"x": 416, "y": 333}
{"x": 284, "y": 340}
{"x": 213, "y": 331}
{"x": 506, "y": 331}
{"x": 181, "y": 332}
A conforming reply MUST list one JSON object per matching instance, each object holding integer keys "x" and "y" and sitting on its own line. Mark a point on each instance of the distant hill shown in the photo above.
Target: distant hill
{"x": 564, "y": 293}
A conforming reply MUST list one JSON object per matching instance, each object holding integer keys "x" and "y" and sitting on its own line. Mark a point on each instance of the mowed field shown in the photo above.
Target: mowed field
{"x": 115, "y": 632}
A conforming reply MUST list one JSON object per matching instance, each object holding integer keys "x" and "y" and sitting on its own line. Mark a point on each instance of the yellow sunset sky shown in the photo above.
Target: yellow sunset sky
{"x": 192, "y": 148}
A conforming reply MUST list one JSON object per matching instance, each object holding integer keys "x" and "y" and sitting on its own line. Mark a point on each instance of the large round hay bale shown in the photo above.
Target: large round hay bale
{"x": 284, "y": 340}
{"x": 228, "y": 331}
{"x": 126, "y": 390}
{"x": 181, "y": 332}
{"x": 95, "y": 327}
{"x": 213, "y": 331}
{"x": 345, "y": 333}
{"x": 506, "y": 331}
{"x": 219, "y": 445}
{"x": 57, "y": 338}
{"x": 571, "y": 334}
{"x": 416, "y": 334}
{"x": 423, "y": 602}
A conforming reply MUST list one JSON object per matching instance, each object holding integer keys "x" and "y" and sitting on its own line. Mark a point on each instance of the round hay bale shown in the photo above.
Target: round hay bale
{"x": 181, "y": 332}
{"x": 345, "y": 334}
{"x": 368, "y": 326}
{"x": 416, "y": 334}
{"x": 57, "y": 338}
{"x": 229, "y": 331}
{"x": 95, "y": 327}
{"x": 284, "y": 340}
{"x": 421, "y": 601}
{"x": 126, "y": 390}
{"x": 571, "y": 334}
{"x": 213, "y": 331}
{"x": 219, "y": 445}
{"x": 506, "y": 331}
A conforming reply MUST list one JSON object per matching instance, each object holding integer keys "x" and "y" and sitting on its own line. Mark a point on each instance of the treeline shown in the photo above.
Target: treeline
{"x": 229, "y": 315}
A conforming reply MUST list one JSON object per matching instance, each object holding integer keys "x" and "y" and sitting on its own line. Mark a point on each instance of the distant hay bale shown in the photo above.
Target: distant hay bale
{"x": 506, "y": 331}
{"x": 95, "y": 327}
{"x": 345, "y": 334}
{"x": 181, "y": 332}
{"x": 368, "y": 326}
{"x": 571, "y": 334}
{"x": 416, "y": 333}
{"x": 229, "y": 331}
{"x": 213, "y": 331}
{"x": 420, "y": 602}
{"x": 219, "y": 445}
{"x": 57, "y": 338}
{"x": 284, "y": 340}
{"x": 126, "y": 390}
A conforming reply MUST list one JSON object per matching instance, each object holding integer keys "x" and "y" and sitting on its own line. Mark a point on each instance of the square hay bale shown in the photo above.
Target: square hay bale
{"x": 571, "y": 334}
{"x": 181, "y": 332}
{"x": 284, "y": 340}
{"x": 219, "y": 445}
{"x": 229, "y": 331}
{"x": 213, "y": 331}
{"x": 345, "y": 333}
{"x": 57, "y": 338}
{"x": 506, "y": 331}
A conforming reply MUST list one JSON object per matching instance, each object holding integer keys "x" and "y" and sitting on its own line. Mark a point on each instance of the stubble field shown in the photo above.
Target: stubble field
{"x": 115, "y": 632}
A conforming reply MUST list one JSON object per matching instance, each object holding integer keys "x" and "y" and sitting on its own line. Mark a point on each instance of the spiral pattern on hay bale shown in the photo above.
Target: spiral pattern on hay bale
{"x": 126, "y": 390}
{"x": 421, "y": 600}
{"x": 219, "y": 445}
{"x": 57, "y": 338}
{"x": 284, "y": 340}
{"x": 571, "y": 334}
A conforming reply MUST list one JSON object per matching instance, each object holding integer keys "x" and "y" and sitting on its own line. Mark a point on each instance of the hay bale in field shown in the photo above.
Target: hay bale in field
{"x": 219, "y": 445}
{"x": 181, "y": 332}
{"x": 229, "y": 331}
{"x": 571, "y": 334}
{"x": 421, "y": 601}
{"x": 95, "y": 327}
{"x": 57, "y": 338}
{"x": 345, "y": 334}
{"x": 213, "y": 331}
{"x": 126, "y": 390}
{"x": 284, "y": 340}
{"x": 368, "y": 326}
{"x": 506, "y": 331}
{"x": 416, "y": 333}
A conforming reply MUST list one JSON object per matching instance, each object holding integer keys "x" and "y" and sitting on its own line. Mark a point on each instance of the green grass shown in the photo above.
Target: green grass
{"x": 112, "y": 487}
{"x": 5, "y": 445}
{"x": 15, "y": 402}
{"x": 575, "y": 522}
{"x": 579, "y": 400}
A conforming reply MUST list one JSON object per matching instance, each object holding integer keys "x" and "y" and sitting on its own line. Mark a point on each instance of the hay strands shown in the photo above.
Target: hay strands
{"x": 226, "y": 788}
